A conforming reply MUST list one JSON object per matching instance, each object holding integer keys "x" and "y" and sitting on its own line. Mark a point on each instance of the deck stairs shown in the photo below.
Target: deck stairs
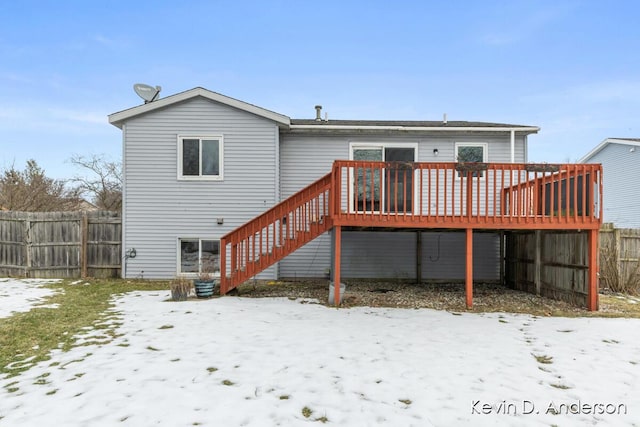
{"x": 383, "y": 195}
{"x": 271, "y": 236}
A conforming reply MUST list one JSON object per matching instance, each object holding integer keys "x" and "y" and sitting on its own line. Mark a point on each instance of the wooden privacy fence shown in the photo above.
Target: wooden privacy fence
{"x": 60, "y": 244}
{"x": 551, "y": 263}
{"x": 554, "y": 263}
{"x": 620, "y": 258}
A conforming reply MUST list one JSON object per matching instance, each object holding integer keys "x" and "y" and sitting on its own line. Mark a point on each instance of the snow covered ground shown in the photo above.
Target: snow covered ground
{"x": 21, "y": 295}
{"x": 269, "y": 362}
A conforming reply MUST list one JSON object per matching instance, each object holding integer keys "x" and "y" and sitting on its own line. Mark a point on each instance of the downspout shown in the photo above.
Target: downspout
{"x": 277, "y": 165}
{"x": 276, "y": 193}
{"x": 123, "y": 208}
{"x": 513, "y": 146}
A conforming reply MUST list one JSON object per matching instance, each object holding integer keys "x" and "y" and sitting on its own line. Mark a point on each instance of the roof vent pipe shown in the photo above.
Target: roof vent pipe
{"x": 444, "y": 119}
{"x": 318, "y": 113}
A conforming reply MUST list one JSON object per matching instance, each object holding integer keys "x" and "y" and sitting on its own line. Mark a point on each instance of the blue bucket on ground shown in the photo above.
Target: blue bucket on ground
{"x": 204, "y": 288}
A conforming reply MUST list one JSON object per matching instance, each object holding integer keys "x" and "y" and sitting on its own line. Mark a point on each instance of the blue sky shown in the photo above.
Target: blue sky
{"x": 569, "y": 67}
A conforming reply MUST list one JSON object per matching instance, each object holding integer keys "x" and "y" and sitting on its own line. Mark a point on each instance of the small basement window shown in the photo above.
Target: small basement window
{"x": 199, "y": 255}
{"x": 200, "y": 157}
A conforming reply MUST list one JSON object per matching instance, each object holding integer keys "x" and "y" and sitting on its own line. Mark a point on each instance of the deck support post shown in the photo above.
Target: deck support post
{"x": 592, "y": 291}
{"x": 502, "y": 259}
{"x": 337, "y": 237}
{"x": 223, "y": 266}
{"x": 419, "y": 256}
{"x": 537, "y": 262}
{"x": 469, "y": 268}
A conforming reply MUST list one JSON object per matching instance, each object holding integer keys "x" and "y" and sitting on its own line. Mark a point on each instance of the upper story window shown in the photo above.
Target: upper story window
{"x": 200, "y": 157}
{"x": 473, "y": 152}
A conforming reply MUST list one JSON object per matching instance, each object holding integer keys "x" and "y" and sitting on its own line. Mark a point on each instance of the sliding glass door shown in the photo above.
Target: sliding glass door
{"x": 389, "y": 189}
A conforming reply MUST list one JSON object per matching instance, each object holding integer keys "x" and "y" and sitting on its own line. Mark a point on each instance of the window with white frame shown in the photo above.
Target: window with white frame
{"x": 200, "y": 157}
{"x": 198, "y": 256}
{"x": 471, "y": 152}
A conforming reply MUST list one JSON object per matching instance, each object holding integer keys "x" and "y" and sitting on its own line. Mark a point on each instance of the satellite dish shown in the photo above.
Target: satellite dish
{"x": 146, "y": 92}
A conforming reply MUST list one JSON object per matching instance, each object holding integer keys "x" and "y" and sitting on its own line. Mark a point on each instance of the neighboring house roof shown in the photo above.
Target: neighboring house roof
{"x": 626, "y": 141}
{"x": 118, "y": 119}
{"x": 407, "y": 125}
{"x": 70, "y": 204}
{"x": 83, "y": 205}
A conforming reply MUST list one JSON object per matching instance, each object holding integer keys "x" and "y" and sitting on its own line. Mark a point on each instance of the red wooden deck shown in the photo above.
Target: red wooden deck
{"x": 454, "y": 195}
{"x": 504, "y": 196}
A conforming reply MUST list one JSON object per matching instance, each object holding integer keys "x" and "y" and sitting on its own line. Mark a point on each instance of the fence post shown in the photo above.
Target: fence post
{"x": 617, "y": 253}
{"x": 28, "y": 248}
{"x": 537, "y": 263}
{"x": 592, "y": 290}
{"x": 84, "y": 233}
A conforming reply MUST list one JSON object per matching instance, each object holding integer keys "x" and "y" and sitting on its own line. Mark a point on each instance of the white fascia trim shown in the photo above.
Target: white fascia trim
{"x": 603, "y": 144}
{"x": 116, "y": 119}
{"x": 416, "y": 128}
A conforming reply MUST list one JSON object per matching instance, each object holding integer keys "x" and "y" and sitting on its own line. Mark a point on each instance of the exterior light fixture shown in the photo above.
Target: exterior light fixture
{"x": 435, "y": 152}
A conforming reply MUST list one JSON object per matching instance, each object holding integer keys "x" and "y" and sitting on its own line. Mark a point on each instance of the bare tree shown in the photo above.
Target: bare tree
{"x": 104, "y": 183}
{"x": 31, "y": 190}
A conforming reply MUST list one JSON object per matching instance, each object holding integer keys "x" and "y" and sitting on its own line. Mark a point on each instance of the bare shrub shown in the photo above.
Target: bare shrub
{"x": 104, "y": 182}
{"x": 30, "y": 190}
{"x": 619, "y": 272}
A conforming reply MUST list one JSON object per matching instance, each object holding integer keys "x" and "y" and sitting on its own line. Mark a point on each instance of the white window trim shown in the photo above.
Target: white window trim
{"x": 380, "y": 145}
{"x": 179, "y": 272}
{"x": 219, "y": 177}
{"x": 485, "y": 153}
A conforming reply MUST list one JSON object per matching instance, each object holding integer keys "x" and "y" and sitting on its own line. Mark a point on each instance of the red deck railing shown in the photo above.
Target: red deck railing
{"x": 463, "y": 195}
{"x": 416, "y": 195}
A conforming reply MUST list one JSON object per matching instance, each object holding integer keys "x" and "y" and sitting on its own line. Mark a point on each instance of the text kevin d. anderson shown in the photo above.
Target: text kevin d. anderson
{"x": 528, "y": 407}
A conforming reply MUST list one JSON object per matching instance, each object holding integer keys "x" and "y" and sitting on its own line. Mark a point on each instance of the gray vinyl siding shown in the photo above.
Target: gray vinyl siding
{"x": 620, "y": 169}
{"x": 378, "y": 254}
{"x": 305, "y": 158}
{"x": 443, "y": 256}
{"x": 302, "y": 161}
{"x": 392, "y": 255}
{"x": 160, "y": 208}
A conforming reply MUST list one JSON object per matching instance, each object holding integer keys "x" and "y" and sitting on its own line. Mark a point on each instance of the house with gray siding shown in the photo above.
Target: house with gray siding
{"x": 620, "y": 159}
{"x": 199, "y": 164}
{"x": 215, "y": 184}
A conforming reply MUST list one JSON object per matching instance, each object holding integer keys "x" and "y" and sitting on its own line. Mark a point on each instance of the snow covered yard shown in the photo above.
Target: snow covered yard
{"x": 273, "y": 361}
{"x": 21, "y": 295}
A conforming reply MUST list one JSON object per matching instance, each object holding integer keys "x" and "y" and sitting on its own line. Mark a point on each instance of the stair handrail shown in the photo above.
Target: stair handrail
{"x": 280, "y": 210}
